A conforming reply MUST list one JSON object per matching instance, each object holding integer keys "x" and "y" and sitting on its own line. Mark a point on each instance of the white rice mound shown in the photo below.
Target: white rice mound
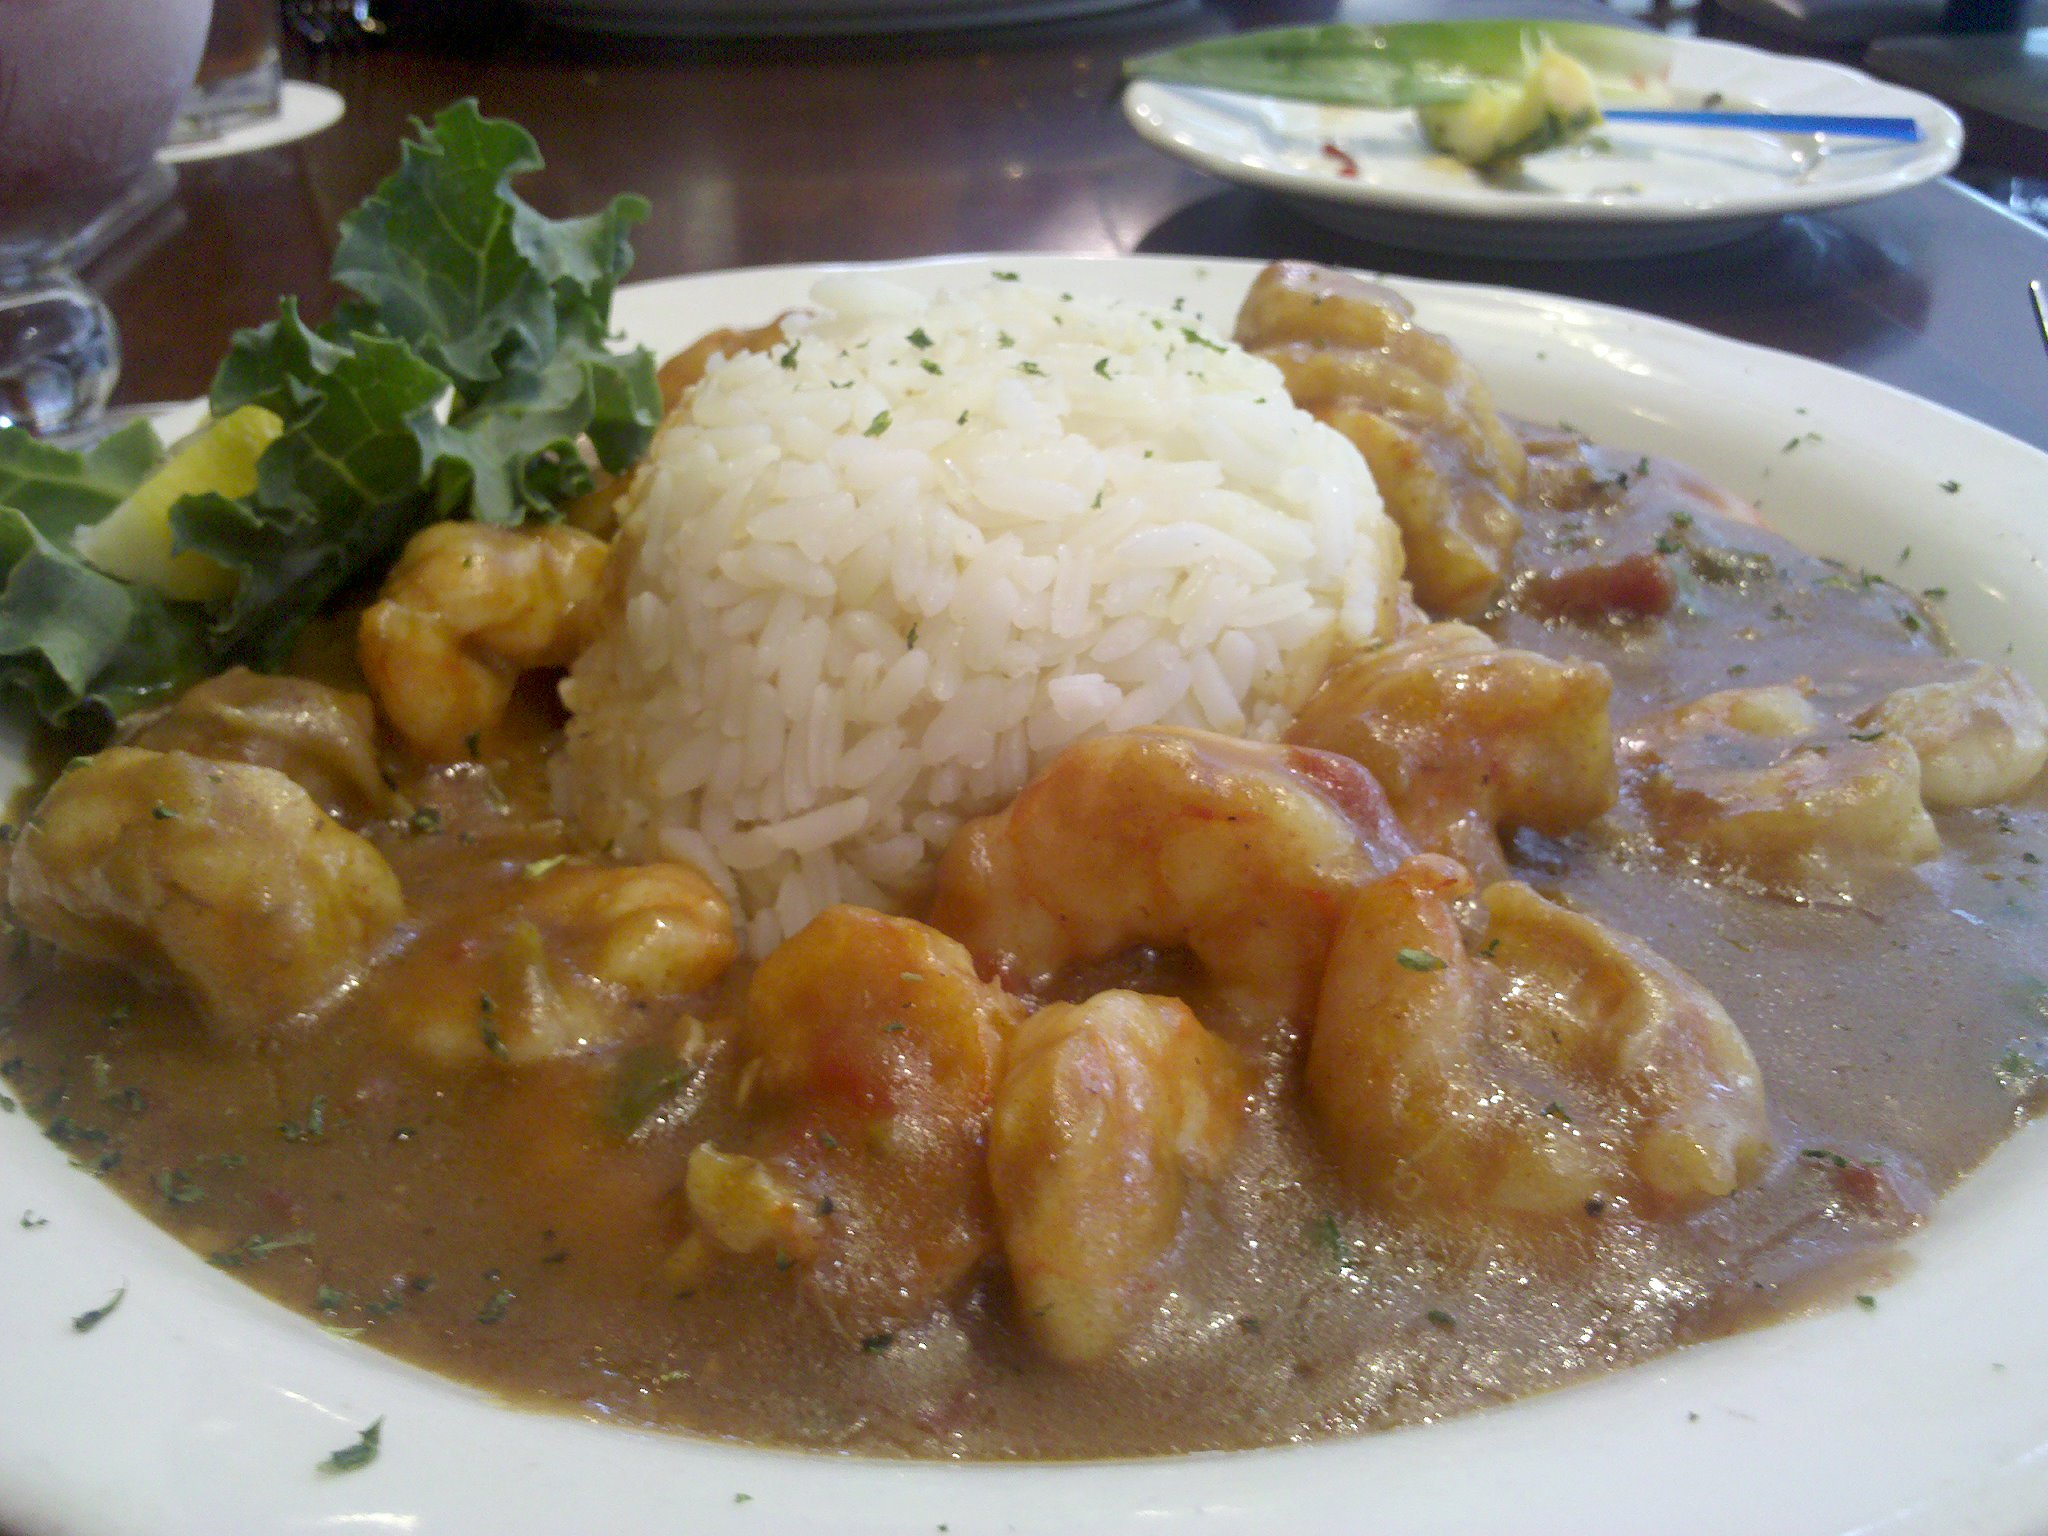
{"x": 868, "y": 585}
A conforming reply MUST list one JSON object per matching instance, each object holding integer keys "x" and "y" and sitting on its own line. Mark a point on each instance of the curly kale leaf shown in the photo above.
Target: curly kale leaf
{"x": 81, "y": 647}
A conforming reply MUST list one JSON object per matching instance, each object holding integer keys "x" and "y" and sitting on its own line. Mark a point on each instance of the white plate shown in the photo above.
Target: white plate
{"x": 201, "y": 1408}
{"x": 775, "y": 18}
{"x": 1656, "y": 189}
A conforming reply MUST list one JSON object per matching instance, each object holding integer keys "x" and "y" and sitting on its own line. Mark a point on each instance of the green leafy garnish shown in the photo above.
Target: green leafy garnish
{"x": 460, "y": 376}
{"x": 1418, "y": 960}
{"x": 353, "y": 1458}
{"x": 80, "y": 647}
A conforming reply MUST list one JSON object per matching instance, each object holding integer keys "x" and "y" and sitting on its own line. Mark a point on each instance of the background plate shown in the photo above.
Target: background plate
{"x": 200, "y": 1408}
{"x": 778, "y": 18}
{"x": 1655, "y": 189}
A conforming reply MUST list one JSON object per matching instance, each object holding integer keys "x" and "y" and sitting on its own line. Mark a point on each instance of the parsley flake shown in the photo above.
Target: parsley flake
{"x": 878, "y": 426}
{"x": 494, "y": 1309}
{"x": 788, "y": 359}
{"x": 353, "y": 1458}
{"x": 919, "y": 339}
{"x": 1418, "y": 960}
{"x": 85, "y": 1322}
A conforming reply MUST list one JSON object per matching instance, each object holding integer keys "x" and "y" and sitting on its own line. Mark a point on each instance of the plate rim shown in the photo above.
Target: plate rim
{"x": 480, "y": 1462}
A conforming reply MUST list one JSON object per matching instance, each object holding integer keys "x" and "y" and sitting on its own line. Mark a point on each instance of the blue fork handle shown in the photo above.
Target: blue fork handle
{"x": 1901, "y": 130}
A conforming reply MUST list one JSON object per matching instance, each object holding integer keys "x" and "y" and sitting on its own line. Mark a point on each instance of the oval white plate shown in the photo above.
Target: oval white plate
{"x": 1656, "y": 189}
{"x": 200, "y": 1408}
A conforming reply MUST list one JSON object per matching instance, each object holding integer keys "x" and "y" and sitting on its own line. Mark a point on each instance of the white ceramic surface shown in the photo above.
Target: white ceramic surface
{"x": 1634, "y": 190}
{"x": 303, "y": 109}
{"x": 776, "y": 18}
{"x": 198, "y": 1408}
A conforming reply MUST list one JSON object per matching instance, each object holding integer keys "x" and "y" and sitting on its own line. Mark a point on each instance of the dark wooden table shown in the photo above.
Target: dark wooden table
{"x": 875, "y": 149}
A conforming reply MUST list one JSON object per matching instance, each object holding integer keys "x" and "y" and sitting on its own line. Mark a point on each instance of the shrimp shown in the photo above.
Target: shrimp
{"x": 223, "y": 878}
{"x": 1979, "y": 738}
{"x": 323, "y": 739}
{"x": 1755, "y": 780}
{"x": 1561, "y": 1067}
{"x": 870, "y": 1053}
{"x": 1450, "y": 469}
{"x": 556, "y": 963}
{"x": 464, "y": 612}
{"x": 1238, "y": 851}
{"x": 1465, "y": 737}
{"x": 1109, "y": 1109}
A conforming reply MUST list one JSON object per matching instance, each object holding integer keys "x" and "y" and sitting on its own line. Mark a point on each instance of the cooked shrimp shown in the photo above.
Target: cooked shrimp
{"x": 1239, "y": 851}
{"x": 225, "y": 878}
{"x": 321, "y": 738}
{"x": 1980, "y": 737}
{"x": 464, "y": 612}
{"x": 556, "y": 963}
{"x": 870, "y": 1053}
{"x": 1109, "y": 1108}
{"x": 1561, "y": 1064}
{"x": 1465, "y": 737}
{"x": 1449, "y": 467}
{"x": 1755, "y": 780}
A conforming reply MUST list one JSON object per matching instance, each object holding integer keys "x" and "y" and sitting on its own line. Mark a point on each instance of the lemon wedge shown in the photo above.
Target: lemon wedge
{"x": 134, "y": 540}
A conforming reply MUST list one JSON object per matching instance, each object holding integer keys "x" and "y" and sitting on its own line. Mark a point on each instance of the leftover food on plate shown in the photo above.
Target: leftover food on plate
{"x": 1017, "y": 878}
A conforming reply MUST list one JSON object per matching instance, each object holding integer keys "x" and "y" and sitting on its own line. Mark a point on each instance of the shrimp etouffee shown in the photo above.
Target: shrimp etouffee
{"x": 1626, "y": 949}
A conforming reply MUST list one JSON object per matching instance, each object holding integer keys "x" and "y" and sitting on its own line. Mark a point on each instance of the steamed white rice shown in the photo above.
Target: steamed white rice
{"x": 870, "y": 583}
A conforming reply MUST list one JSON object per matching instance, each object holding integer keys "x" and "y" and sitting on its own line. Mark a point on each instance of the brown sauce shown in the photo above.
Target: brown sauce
{"x": 514, "y": 1228}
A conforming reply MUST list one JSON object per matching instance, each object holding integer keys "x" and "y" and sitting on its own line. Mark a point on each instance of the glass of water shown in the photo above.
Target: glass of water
{"x": 88, "y": 89}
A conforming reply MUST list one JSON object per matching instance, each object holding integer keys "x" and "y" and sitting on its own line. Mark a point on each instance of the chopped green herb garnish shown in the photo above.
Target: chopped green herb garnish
{"x": 1867, "y": 1303}
{"x": 1439, "y": 1318}
{"x": 1418, "y": 960}
{"x": 494, "y": 1309}
{"x": 425, "y": 820}
{"x": 1558, "y": 1112}
{"x": 1005, "y": 277}
{"x": 1951, "y": 486}
{"x": 875, "y": 1343}
{"x": 85, "y": 1322}
{"x": 1027, "y": 366}
{"x": 539, "y": 867}
{"x": 929, "y": 366}
{"x": 910, "y": 640}
{"x": 1332, "y": 1238}
{"x": 30, "y": 1221}
{"x": 257, "y": 1247}
{"x": 919, "y": 339}
{"x": 1005, "y": 339}
{"x": 788, "y": 358}
{"x": 878, "y": 426}
{"x": 1196, "y": 338}
{"x": 313, "y": 1127}
{"x": 163, "y": 812}
{"x": 1102, "y": 366}
{"x": 330, "y": 1299}
{"x": 1865, "y": 735}
{"x": 176, "y": 1187}
{"x": 353, "y": 1458}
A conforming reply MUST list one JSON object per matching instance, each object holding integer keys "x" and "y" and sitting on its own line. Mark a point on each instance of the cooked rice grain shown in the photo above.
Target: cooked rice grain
{"x": 871, "y": 583}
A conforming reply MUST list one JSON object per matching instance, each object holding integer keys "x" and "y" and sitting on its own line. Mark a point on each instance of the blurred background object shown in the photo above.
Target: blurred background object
{"x": 88, "y": 89}
{"x": 239, "y": 76}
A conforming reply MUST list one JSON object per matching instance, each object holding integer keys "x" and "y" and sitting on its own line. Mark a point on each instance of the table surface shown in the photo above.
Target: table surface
{"x": 884, "y": 148}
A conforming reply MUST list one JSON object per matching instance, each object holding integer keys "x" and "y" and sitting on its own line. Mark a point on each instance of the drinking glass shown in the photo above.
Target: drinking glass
{"x": 88, "y": 89}
{"x": 240, "y": 79}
